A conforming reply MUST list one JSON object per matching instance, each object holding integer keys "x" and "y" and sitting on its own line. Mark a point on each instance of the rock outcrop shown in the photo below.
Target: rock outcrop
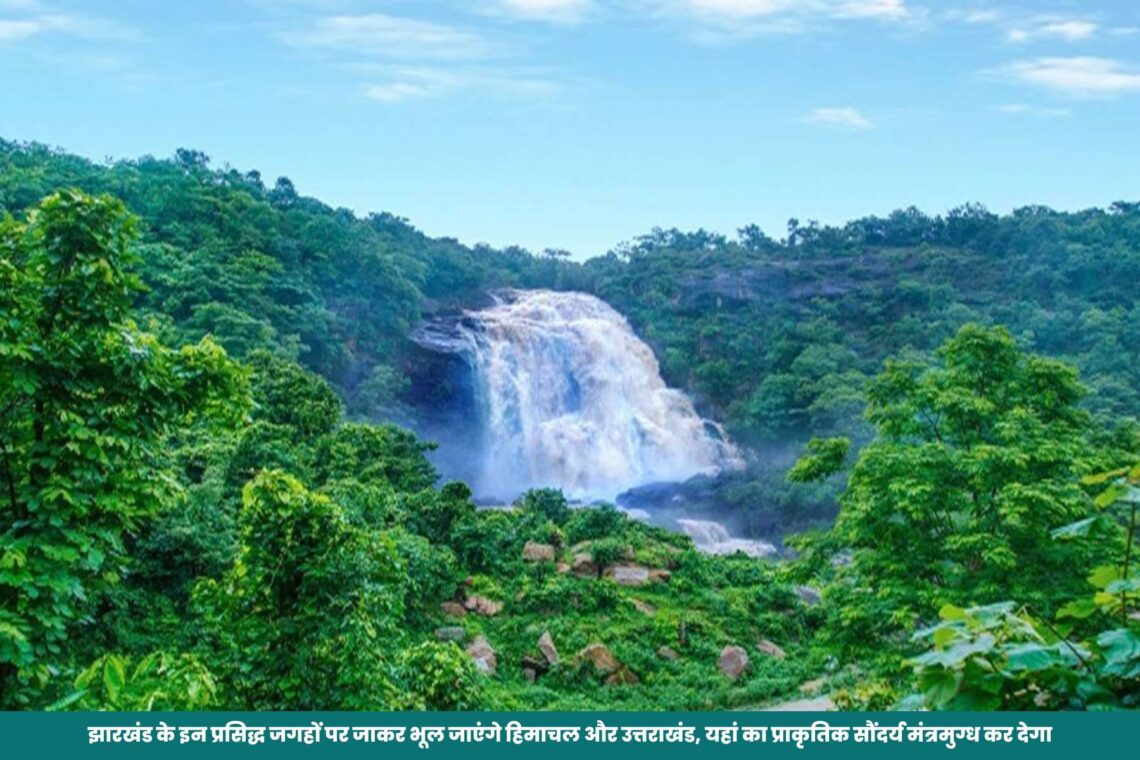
{"x": 601, "y": 658}
{"x": 546, "y": 646}
{"x": 536, "y": 552}
{"x": 481, "y": 605}
{"x": 583, "y": 566}
{"x": 453, "y": 609}
{"x": 484, "y": 656}
{"x": 732, "y": 662}
{"x": 629, "y": 575}
{"x": 770, "y": 649}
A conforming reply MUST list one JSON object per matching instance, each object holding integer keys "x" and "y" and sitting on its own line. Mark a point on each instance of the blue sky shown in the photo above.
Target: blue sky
{"x": 581, "y": 123}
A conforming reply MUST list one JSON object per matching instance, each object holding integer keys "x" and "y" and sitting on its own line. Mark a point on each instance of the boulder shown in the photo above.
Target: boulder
{"x": 629, "y": 575}
{"x": 583, "y": 566}
{"x": 453, "y": 609}
{"x": 623, "y": 676}
{"x": 770, "y": 649}
{"x": 484, "y": 656}
{"x": 732, "y": 661}
{"x": 562, "y": 567}
{"x": 644, "y": 608}
{"x": 601, "y": 658}
{"x": 546, "y": 646}
{"x": 530, "y": 675}
{"x": 450, "y": 633}
{"x": 481, "y": 605}
{"x": 667, "y": 653}
{"x": 537, "y": 664}
{"x": 536, "y": 552}
{"x": 658, "y": 575}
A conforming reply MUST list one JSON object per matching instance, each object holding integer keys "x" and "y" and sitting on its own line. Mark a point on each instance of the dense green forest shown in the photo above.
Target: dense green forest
{"x": 211, "y": 500}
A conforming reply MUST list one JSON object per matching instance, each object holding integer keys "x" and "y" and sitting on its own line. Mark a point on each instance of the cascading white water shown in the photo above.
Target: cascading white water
{"x": 713, "y": 538}
{"x": 573, "y": 399}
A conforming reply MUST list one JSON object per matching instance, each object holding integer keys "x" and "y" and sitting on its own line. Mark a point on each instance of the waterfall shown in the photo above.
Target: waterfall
{"x": 713, "y": 538}
{"x": 571, "y": 398}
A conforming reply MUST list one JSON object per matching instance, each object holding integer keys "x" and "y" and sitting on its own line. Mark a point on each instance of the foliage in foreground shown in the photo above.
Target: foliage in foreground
{"x": 1000, "y": 657}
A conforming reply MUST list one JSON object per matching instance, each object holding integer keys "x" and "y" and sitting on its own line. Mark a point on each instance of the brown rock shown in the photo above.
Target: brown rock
{"x": 660, "y": 576}
{"x": 583, "y": 566}
{"x": 453, "y": 609}
{"x": 668, "y": 653}
{"x": 623, "y": 676}
{"x": 770, "y": 649}
{"x": 535, "y": 552}
{"x": 562, "y": 567}
{"x": 481, "y": 605}
{"x": 732, "y": 661}
{"x": 546, "y": 646}
{"x": 537, "y": 664}
{"x": 629, "y": 575}
{"x": 530, "y": 675}
{"x": 644, "y": 608}
{"x": 601, "y": 658}
{"x": 484, "y": 656}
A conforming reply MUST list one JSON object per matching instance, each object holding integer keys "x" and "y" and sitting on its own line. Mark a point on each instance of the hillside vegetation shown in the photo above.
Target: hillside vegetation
{"x": 206, "y": 501}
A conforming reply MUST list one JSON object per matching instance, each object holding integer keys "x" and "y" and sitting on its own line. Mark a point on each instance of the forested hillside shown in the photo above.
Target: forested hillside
{"x": 206, "y": 503}
{"x": 775, "y": 338}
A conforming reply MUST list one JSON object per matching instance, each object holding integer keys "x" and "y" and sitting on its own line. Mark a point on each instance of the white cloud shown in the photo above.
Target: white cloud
{"x": 976, "y": 16}
{"x": 554, "y": 11}
{"x": 785, "y": 13}
{"x": 431, "y": 82}
{"x": 1081, "y": 76}
{"x": 379, "y": 35}
{"x": 1024, "y": 109}
{"x": 397, "y": 59}
{"x": 393, "y": 92}
{"x": 21, "y": 28}
{"x": 739, "y": 8}
{"x": 1069, "y": 30}
{"x": 18, "y": 29}
{"x": 885, "y": 9}
{"x": 846, "y": 117}
{"x": 1074, "y": 29}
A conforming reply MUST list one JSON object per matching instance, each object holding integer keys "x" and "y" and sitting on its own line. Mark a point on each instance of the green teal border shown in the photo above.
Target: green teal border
{"x": 1075, "y": 736}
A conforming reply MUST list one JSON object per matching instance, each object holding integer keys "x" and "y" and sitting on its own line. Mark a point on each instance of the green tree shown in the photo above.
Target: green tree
{"x": 977, "y": 458}
{"x": 87, "y": 402}
{"x": 308, "y": 616}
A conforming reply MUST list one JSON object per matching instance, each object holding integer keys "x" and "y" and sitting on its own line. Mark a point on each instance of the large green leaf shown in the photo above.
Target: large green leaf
{"x": 1121, "y": 649}
{"x": 1034, "y": 657}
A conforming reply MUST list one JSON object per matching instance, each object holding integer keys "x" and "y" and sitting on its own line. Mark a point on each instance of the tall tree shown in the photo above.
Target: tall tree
{"x": 978, "y": 456}
{"x": 86, "y": 403}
